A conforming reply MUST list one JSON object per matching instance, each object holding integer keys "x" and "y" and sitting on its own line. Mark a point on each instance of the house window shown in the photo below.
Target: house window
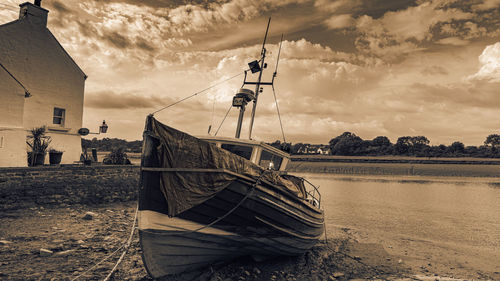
{"x": 59, "y": 114}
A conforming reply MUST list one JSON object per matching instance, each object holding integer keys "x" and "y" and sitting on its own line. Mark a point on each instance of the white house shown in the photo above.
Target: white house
{"x": 324, "y": 150}
{"x": 35, "y": 60}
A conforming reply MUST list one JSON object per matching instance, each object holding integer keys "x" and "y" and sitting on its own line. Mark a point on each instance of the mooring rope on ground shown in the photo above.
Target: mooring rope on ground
{"x": 125, "y": 248}
{"x": 95, "y": 265}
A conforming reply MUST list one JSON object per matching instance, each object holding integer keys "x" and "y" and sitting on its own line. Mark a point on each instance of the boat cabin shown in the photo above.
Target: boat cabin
{"x": 259, "y": 153}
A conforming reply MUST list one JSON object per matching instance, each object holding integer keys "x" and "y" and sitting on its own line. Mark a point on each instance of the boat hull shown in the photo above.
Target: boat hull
{"x": 267, "y": 223}
{"x": 172, "y": 251}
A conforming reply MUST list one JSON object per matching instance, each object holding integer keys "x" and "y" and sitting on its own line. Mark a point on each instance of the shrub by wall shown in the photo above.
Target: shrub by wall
{"x": 73, "y": 184}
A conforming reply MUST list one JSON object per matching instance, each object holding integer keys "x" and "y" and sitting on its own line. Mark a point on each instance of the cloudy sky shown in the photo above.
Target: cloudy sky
{"x": 371, "y": 67}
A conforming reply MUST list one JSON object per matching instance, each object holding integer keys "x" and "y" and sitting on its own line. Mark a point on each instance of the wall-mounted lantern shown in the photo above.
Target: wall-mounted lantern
{"x": 102, "y": 129}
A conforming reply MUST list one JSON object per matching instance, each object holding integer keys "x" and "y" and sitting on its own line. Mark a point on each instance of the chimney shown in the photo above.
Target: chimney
{"x": 34, "y": 13}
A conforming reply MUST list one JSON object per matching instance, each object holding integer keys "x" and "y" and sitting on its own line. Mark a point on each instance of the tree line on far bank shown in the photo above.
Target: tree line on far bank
{"x": 349, "y": 144}
{"x": 108, "y": 144}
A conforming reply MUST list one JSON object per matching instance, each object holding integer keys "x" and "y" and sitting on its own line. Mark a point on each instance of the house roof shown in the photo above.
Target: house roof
{"x": 57, "y": 41}
{"x": 51, "y": 36}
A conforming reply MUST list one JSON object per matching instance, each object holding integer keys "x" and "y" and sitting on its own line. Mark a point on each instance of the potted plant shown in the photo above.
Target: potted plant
{"x": 85, "y": 158}
{"x": 117, "y": 156}
{"x": 38, "y": 142}
{"x": 55, "y": 156}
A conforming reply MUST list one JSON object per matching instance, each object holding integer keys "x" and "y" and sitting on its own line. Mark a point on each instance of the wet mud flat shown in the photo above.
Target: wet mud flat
{"x": 478, "y": 169}
{"x": 63, "y": 243}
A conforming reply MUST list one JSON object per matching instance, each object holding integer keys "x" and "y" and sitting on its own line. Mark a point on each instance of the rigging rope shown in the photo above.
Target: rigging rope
{"x": 212, "y": 120}
{"x": 279, "y": 115}
{"x": 223, "y": 119}
{"x": 197, "y": 93}
{"x": 13, "y": 77}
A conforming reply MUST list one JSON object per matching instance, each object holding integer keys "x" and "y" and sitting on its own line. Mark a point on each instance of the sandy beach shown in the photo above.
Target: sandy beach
{"x": 60, "y": 244}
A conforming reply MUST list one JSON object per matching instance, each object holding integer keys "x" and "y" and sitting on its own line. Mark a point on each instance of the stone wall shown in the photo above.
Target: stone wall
{"x": 67, "y": 184}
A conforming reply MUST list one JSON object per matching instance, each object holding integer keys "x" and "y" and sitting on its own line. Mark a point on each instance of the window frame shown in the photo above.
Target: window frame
{"x": 276, "y": 164}
{"x": 238, "y": 145}
{"x": 61, "y": 118}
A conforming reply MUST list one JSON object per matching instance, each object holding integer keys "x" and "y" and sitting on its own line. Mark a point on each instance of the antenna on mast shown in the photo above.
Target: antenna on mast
{"x": 265, "y": 36}
{"x": 257, "y": 85}
{"x": 277, "y": 61}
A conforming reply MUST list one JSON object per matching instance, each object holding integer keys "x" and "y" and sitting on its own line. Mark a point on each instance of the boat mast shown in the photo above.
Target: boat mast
{"x": 258, "y": 83}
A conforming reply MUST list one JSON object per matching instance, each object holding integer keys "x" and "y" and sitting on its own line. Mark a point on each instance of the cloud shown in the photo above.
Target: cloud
{"x": 163, "y": 3}
{"x": 415, "y": 22}
{"x": 401, "y": 32}
{"x": 117, "y": 40}
{"x": 455, "y": 41}
{"x": 336, "y": 6}
{"x": 303, "y": 49}
{"x": 460, "y": 31}
{"x": 112, "y": 100}
{"x": 434, "y": 70}
{"x": 9, "y": 11}
{"x": 60, "y": 7}
{"x": 339, "y": 21}
{"x": 487, "y": 5}
{"x": 145, "y": 45}
{"x": 489, "y": 62}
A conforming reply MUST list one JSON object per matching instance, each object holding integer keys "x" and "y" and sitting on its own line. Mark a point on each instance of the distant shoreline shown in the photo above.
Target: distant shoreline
{"x": 436, "y": 168}
{"x": 395, "y": 159}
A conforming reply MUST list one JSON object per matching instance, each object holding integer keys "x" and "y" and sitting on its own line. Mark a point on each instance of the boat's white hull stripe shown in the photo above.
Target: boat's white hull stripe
{"x": 151, "y": 220}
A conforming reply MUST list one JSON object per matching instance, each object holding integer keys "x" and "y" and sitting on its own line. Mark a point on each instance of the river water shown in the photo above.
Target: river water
{"x": 453, "y": 222}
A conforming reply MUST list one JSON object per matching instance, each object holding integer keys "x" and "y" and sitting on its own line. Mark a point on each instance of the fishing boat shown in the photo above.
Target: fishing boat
{"x": 212, "y": 199}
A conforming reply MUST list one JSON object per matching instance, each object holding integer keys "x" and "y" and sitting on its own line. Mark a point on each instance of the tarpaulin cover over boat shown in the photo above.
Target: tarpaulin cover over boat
{"x": 183, "y": 189}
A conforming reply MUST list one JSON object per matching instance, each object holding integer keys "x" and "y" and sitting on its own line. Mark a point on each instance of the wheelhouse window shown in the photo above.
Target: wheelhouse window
{"x": 270, "y": 161}
{"x": 59, "y": 114}
{"x": 241, "y": 150}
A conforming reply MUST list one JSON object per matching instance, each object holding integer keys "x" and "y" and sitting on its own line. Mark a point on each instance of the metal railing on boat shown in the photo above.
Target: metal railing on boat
{"x": 312, "y": 192}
